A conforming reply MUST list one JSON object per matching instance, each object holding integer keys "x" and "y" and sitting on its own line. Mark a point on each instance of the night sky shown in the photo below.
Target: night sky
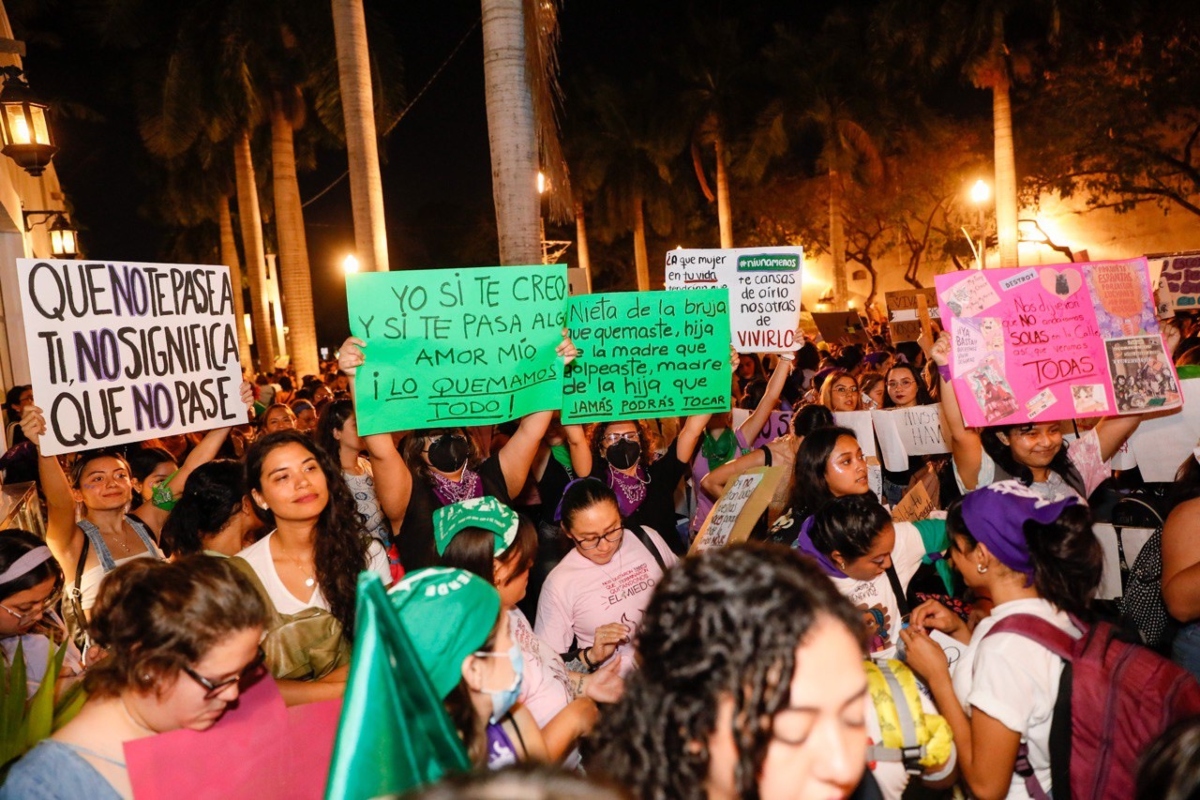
{"x": 436, "y": 170}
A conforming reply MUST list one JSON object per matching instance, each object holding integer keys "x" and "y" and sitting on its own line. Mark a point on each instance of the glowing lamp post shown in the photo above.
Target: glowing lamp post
{"x": 350, "y": 265}
{"x": 980, "y": 193}
{"x": 23, "y": 128}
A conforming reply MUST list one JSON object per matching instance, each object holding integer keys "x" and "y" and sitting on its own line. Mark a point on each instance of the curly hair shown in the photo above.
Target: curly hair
{"x": 156, "y": 617}
{"x": 1001, "y": 453}
{"x": 340, "y": 545}
{"x": 646, "y": 437}
{"x": 724, "y": 623}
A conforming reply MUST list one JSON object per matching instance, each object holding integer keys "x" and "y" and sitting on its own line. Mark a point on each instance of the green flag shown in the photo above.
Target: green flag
{"x": 394, "y": 734}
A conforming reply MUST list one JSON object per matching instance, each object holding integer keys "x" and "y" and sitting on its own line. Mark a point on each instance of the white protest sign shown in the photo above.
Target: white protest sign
{"x": 904, "y": 432}
{"x": 764, "y": 291}
{"x": 120, "y": 352}
{"x": 1164, "y": 441}
{"x": 860, "y": 423}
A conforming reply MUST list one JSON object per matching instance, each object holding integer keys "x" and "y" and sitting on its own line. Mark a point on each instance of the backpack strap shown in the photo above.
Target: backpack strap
{"x": 644, "y": 536}
{"x": 898, "y": 590}
{"x": 911, "y": 752}
{"x": 144, "y": 533}
{"x": 1039, "y": 630}
{"x": 1025, "y": 770}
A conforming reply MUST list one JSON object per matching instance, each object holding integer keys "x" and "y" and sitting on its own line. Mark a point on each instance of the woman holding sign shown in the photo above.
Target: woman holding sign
{"x": 1034, "y": 453}
{"x": 439, "y": 466}
{"x": 905, "y": 389}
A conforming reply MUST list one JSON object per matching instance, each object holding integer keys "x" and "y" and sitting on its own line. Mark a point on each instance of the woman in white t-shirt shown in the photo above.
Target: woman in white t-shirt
{"x": 856, "y": 543}
{"x": 312, "y": 558}
{"x": 1032, "y": 557}
{"x": 596, "y": 595}
{"x": 487, "y": 538}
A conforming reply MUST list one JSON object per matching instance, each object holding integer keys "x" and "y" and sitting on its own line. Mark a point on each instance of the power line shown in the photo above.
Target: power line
{"x": 391, "y": 126}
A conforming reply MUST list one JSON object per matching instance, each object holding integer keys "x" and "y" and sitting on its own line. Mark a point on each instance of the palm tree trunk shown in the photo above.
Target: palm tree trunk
{"x": 229, "y": 257}
{"x": 640, "y": 260}
{"x": 358, "y": 108}
{"x": 252, "y": 246}
{"x": 724, "y": 212}
{"x": 585, "y": 261}
{"x": 295, "y": 279}
{"x": 1006, "y": 170}
{"x": 512, "y": 132}
{"x": 837, "y": 242}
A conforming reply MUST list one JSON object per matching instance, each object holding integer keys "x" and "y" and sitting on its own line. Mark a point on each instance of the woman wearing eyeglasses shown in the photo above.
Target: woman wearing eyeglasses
{"x": 905, "y": 389}
{"x": 595, "y": 597}
{"x": 840, "y": 392}
{"x": 439, "y": 466}
{"x": 179, "y": 636}
{"x": 31, "y": 584}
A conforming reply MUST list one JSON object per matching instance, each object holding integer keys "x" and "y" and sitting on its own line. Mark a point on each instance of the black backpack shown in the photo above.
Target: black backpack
{"x": 1141, "y": 604}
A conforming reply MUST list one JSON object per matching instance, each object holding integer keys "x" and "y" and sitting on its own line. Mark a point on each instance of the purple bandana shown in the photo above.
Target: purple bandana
{"x": 996, "y": 515}
{"x": 805, "y": 545}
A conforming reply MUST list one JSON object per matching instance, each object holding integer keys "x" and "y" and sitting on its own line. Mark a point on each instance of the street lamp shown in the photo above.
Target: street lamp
{"x": 64, "y": 242}
{"x": 23, "y": 128}
{"x": 350, "y": 264}
{"x": 980, "y": 193}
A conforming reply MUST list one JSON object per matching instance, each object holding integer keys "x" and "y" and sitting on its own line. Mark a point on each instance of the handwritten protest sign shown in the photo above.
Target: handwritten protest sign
{"x": 764, "y": 291}
{"x": 1050, "y": 343}
{"x": 457, "y": 347}
{"x": 920, "y": 499}
{"x": 734, "y": 515}
{"x": 905, "y": 432}
{"x": 1178, "y": 287}
{"x": 839, "y": 326}
{"x": 120, "y": 353}
{"x": 647, "y": 354}
{"x": 860, "y": 423}
{"x": 778, "y": 425}
{"x": 904, "y": 320}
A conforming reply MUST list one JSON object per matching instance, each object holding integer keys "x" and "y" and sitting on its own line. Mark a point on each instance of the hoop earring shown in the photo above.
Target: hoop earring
{"x": 980, "y": 568}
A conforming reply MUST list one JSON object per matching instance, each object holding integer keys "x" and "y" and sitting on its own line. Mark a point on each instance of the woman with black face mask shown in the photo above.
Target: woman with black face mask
{"x": 435, "y": 467}
{"x": 622, "y": 456}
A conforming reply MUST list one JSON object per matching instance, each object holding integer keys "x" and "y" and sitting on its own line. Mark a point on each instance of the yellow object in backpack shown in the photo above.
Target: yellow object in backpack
{"x": 909, "y": 734}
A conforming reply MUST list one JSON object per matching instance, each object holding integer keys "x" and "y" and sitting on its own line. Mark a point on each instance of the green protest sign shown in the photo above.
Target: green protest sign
{"x": 456, "y": 346}
{"x": 647, "y": 354}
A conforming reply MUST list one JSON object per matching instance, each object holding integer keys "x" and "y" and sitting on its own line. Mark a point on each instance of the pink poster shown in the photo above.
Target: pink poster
{"x": 1040, "y": 344}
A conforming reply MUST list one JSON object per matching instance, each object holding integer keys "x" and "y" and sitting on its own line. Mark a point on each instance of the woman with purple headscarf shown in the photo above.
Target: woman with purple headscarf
{"x": 1033, "y": 557}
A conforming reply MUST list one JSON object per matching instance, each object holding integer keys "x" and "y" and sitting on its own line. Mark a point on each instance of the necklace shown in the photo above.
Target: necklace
{"x": 121, "y": 542}
{"x": 449, "y": 491}
{"x": 309, "y": 578}
{"x": 631, "y": 489}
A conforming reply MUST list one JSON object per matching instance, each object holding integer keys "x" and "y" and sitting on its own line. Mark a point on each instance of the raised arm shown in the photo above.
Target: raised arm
{"x": 713, "y": 484}
{"x": 517, "y": 455}
{"x": 966, "y": 446}
{"x": 1114, "y": 432}
{"x": 393, "y": 480}
{"x": 689, "y": 436}
{"x": 63, "y": 536}
{"x": 754, "y": 424}
{"x": 580, "y": 449}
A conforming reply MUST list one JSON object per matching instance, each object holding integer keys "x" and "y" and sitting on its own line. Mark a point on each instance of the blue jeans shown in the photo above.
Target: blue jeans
{"x": 1186, "y": 649}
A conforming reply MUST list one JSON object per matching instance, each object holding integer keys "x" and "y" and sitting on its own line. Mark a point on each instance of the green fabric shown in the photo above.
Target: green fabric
{"x": 487, "y": 513}
{"x": 448, "y": 615}
{"x": 1188, "y": 371}
{"x": 937, "y": 540}
{"x": 562, "y": 454}
{"x": 720, "y": 450}
{"x": 162, "y": 496}
{"x": 394, "y": 734}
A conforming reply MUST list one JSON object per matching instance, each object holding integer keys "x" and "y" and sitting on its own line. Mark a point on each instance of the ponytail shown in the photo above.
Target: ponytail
{"x": 1067, "y": 559}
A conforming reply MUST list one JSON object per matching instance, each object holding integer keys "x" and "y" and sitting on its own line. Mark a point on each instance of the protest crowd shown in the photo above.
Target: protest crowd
{"x": 774, "y": 596}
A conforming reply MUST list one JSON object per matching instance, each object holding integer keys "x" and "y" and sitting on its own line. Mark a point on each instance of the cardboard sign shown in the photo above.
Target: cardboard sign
{"x": 904, "y": 312}
{"x": 120, "y": 353}
{"x": 1178, "y": 287}
{"x": 578, "y": 281}
{"x": 647, "y": 354}
{"x": 734, "y": 515}
{"x": 920, "y": 500}
{"x": 841, "y": 326}
{"x": 457, "y": 347}
{"x": 764, "y": 291}
{"x": 904, "y": 432}
{"x": 1050, "y": 343}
